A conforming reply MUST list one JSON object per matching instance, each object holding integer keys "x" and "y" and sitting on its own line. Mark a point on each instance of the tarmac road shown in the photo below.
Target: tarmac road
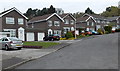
{"x": 94, "y": 53}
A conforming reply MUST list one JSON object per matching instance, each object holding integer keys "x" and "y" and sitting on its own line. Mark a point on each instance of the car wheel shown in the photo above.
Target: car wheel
{"x": 6, "y": 47}
{"x": 19, "y": 48}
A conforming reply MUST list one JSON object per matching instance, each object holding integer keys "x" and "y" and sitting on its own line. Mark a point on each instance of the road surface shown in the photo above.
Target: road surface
{"x": 95, "y": 53}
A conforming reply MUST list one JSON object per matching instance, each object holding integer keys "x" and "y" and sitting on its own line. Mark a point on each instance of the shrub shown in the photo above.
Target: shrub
{"x": 108, "y": 28}
{"x": 100, "y": 31}
{"x": 106, "y": 32}
{"x": 69, "y": 35}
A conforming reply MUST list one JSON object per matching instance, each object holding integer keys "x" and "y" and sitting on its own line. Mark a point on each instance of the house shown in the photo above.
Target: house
{"x": 99, "y": 20}
{"x": 69, "y": 23}
{"x": 13, "y": 23}
{"x": 86, "y": 23}
{"x": 114, "y": 21}
{"x": 45, "y": 25}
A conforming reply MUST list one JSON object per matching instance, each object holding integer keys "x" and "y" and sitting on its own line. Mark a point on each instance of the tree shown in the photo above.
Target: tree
{"x": 89, "y": 11}
{"x": 30, "y": 13}
{"x": 78, "y": 14}
{"x": 44, "y": 11}
{"x": 51, "y": 10}
{"x": 111, "y": 11}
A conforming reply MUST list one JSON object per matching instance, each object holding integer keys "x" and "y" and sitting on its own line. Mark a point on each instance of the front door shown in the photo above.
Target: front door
{"x": 21, "y": 35}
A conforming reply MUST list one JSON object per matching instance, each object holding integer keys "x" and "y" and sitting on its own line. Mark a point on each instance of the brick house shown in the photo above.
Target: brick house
{"x": 13, "y": 23}
{"x": 99, "y": 20}
{"x": 69, "y": 22}
{"x": 85, "y": 23}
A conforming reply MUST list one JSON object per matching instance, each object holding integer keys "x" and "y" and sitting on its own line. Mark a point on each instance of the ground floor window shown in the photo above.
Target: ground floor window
{"x": 58, "y": 32}
{"x": 98, "y": 27}
{"x": 66, "y": 29}
{"x": 12, "y": 32}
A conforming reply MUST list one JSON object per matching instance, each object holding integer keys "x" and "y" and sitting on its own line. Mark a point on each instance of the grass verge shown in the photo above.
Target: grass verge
{"x": 43, "y": 44}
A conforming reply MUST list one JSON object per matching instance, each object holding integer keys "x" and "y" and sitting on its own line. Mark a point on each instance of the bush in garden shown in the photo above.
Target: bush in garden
{"x": 100, "y": 31}
{"x": 108, "y": 28}
{"x": 69, "y": 35}
{"x": 106, "y": 32}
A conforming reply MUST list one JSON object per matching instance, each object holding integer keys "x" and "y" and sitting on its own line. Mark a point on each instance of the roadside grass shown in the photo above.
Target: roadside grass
{"x": 43, "y": 44}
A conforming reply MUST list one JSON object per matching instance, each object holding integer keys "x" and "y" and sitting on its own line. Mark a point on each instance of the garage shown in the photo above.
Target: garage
{"x": 40, "y": 36}
{"x": 30, "y": 36}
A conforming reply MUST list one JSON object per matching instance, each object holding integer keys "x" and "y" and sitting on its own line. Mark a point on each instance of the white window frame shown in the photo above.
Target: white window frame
{"x": 20, "y": 21}
{"x": 72, "y": 21}
{"x": 92, "y": 23}
{"x": 10, "y": 20}
{"x": 66, "y": 21}
{"x": 88, "y": 24}
{"x": 12, "y": 32}
{"x": 56, "y": 23}
{"x": 58, "y": 32}
{"x": 98, "y": 21}
{"x": 65, "y": 29}
{"x": 49, "y": 23}
{"x": 32, "y": 25}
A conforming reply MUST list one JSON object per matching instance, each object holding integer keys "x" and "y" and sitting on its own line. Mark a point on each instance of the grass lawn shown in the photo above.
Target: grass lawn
{"x": 43, "y": 44}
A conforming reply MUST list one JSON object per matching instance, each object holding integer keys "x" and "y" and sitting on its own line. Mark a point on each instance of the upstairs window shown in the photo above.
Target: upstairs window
{"x": 20, "y": 21}
{"x": 49, "y": 23}
{"x": 10, "y": 20}
{"x": 66, "y": 21}
{"x": 92, "y": 23}
{"x": 72, "y": 21}
{"x": 56, "y": 23}
{"x": 87, "y": 23}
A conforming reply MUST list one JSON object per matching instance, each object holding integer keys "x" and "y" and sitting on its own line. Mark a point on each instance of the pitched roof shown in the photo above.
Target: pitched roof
{"x": 82, "y": 19}
{"x": 66, "y": 14}
{"x": 39, "y": 18}
{"x": 12, "y": 9}
{"x": 44, "y": 18}
{"x": 95, "y": 16}
{"x": 113, "y": 18}
{"x": 63, "y": 15}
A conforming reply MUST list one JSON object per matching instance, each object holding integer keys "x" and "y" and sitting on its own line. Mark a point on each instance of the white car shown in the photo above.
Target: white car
{"x": 10, "y": 43}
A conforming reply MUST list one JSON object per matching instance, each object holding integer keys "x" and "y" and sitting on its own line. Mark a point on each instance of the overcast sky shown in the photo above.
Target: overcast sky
{"x": 71, "y": 6}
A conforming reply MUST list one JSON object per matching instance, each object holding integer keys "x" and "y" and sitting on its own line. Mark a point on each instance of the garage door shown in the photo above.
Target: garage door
{"x": 30, "y": 36}
{"x": 40, "y": 36}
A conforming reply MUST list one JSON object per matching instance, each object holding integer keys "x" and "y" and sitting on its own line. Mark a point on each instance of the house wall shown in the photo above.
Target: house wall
{"x": 69, "y": 25}
{"x": 90, "y": 24}
{"x": 15, "y": 15}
